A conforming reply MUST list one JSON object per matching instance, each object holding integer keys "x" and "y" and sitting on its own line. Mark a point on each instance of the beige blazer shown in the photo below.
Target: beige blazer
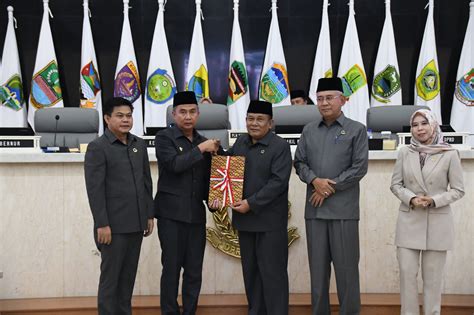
{"x": 440, "y": 179}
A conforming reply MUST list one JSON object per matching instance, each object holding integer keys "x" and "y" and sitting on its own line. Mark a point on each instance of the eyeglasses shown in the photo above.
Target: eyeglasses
{"x": 328, "y": 98}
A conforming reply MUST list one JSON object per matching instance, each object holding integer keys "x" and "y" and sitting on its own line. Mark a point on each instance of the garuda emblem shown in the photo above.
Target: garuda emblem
{"x": 225, "y": 238}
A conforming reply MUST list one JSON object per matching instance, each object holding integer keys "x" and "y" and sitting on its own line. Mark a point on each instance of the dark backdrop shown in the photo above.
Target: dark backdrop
{"x": 299, "y": 20}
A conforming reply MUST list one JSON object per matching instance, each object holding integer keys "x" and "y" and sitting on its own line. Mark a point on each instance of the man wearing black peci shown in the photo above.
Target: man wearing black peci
{"x": 331, "y": 158}
{"x": 184, "y": 160}
{"x": 262, "y": 216}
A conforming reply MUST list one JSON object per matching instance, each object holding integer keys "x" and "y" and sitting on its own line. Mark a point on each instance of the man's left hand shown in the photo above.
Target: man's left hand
{"x": 241, "y": 206}
{"x": 149, "y": 229}
{"x": 316, "y": 199}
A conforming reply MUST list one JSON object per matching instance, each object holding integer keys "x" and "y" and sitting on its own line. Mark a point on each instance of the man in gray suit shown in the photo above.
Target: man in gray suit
{"x": 184, "y": 162}
{"x": 331, "y": 158}
{"x": 119, "y": 188}
{"x": 262, "y": 216}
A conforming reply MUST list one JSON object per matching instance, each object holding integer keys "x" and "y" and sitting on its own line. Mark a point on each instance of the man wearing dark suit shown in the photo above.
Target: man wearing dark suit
{"x": 119, "y": 188}
{"x": 262, "y": 216}
{"x": 184, "y": 159}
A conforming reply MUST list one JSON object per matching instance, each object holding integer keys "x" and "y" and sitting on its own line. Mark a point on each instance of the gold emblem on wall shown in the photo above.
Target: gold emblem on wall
{"x": 225, "y": 238}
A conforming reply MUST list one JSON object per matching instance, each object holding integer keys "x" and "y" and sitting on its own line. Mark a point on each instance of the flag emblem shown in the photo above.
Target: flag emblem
{"x": 198, "y": 83}
{"x": 274, "y": 85}
{"x": 353, "y": 80}
{"x": 90, "y": 85}
{"x": 127, "y": 83}
{"x": 45, "y": 90}
{"x": 427, "y": 83}
{"x": 161, "y": 87}
{"x": 465, "y": 89}
{"x": 328, "y": 73}
{"x": 237, "y": 82}
{"x": 386, "y": 84}
{"x": 11, "y": 94}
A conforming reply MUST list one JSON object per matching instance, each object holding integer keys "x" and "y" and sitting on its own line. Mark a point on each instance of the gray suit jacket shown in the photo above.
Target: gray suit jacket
{"x": 339, "y": 152}
{"x": 118, "y": 183}
{"x": 442, "y": 179}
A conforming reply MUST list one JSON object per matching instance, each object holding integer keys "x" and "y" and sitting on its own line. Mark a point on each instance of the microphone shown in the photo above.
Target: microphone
{"x": 55, "y": 147}
{"x": 56, "y": 129}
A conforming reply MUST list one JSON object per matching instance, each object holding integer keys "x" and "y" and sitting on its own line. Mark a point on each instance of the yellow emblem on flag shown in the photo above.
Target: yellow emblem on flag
{"x": 328, "y": 73}
{"x": 199, "y": 83}
{"x": 353, "y": 80}
{"x": 427, "y": 83}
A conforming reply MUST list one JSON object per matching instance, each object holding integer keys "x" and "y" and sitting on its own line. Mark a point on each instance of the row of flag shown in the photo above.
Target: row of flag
{"x": 274, "y": 85}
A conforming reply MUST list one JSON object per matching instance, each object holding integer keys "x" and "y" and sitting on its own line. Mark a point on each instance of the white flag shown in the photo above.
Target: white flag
{"x": 352, "y": 72}
{"x": 45, "y": 85}
{"x": 386, "y": 87}
{"x": 427, "y": 84}
{"x": 161, "y": 84}
{"x": 91, "y": 93}
{"x": 462, "y": 112}
{"x": 127, "y": 79}
{"x": 197, "y": 79}
{"x": 274, "y": 86}
{"x": 12, "y": 107}
{"x": 322, "y": 61}
{"x": 239, "y": 95}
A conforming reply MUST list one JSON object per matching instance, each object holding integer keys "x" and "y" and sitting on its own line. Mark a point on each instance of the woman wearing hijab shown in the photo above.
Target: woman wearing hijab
{"x": 427, "y": 178}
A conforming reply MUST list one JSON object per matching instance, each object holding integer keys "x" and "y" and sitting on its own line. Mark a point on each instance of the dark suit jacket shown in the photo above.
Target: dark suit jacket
{"x": 267, "y": 173}
{"x": 184, "y": 173}
{"x": 118, "y": 183}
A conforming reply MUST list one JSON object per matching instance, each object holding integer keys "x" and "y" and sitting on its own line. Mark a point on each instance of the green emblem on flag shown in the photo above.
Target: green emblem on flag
{"x": 427, "y": 83}
{"x": 465, "y": 89}
{"x": 386, "y": 84}
{"x": 238, "y": 84}
{"x": 353, "y": 80}
{"x": 45, "y": 88}
{"x": 274, "y": 84}
{"x": 160, "y": 87}
{"x": 11, "y": 93}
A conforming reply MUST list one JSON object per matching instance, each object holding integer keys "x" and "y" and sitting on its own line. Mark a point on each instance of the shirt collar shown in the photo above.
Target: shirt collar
{"x": 265, "y": 140}
{"x": 177, "y": 133}
{"x": 112, "y": 138}
{"x": 340, "y": 120}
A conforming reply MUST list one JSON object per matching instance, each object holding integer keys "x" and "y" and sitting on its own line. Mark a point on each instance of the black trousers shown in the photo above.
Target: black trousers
{"x": 335, "y": 241}
{"x": 182, "y": 247}
{"x": 117, "y": 273}
{"x": 264, "y": 265}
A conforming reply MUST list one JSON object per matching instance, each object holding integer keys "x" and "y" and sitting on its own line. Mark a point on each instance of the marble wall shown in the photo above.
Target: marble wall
{"x": 47, "y": 249}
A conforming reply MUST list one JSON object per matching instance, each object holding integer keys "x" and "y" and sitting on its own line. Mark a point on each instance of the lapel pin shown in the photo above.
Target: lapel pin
{"x": 135, "y": 150}
{"x": 181, "y": 149}
{"x": 262, "y": 151}
{"x": 343, "y": 132}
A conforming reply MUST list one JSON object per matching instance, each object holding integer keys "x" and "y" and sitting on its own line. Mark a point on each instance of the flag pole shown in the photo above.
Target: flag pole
{"x": 274, "y": 7}
{"x": 198, "y": 7}
{"x": 351, "y": 7}
{"x": 126, "y": 7}
{"x": 236, "y": 8}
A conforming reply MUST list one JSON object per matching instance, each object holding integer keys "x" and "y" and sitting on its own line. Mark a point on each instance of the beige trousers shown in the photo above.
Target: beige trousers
{"x": 432, "y": 265}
